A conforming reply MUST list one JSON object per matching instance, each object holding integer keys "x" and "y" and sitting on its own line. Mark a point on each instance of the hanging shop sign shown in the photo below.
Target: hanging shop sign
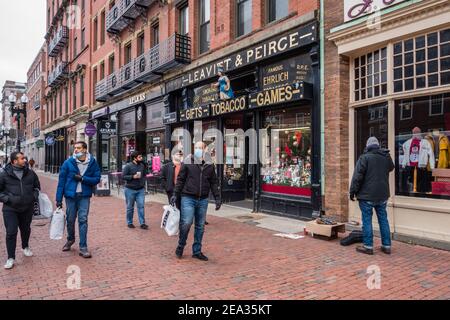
{"x": 40, "y": 143}
{"x": 108, "y": 128}
{"x": 50, "y": 140}
{"x": 278, "y": 95}
{"x": 90, "y": 130}
{"x": 229, "y": 106}
{"x": 357, "y": 8}
{"x": 278, "y": 45}
{"x": 288, "y": 71}
{"x": 194, "y": 113}
{"x": 205, "y": 95}
{"x": 170, "y": 117}
{"x": 59, "y": 138}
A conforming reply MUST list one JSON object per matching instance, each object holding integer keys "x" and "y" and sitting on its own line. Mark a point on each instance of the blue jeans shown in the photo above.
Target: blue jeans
{"x": 367, "y": 211}
{"x": 131, "y": 197}
{"x": 78, "y": 206}
{"x": 192, "y": 208}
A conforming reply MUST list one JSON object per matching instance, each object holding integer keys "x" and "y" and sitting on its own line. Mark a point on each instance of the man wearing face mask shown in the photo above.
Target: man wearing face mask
{"x": 196, "y": 179}
{"x": 134, "y": 175}
{"x": 78, "y": 177}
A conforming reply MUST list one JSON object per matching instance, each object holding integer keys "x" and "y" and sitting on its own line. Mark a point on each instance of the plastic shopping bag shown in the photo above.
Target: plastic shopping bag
{"x": 45, "y": 205}
{"x": 171, "y": 220}
{"x": 57, "y": 225}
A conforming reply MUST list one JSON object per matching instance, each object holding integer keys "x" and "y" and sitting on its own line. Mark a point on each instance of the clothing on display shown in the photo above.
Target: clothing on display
{"x": 444, "y": 152}
{"x": 418, "y": 153}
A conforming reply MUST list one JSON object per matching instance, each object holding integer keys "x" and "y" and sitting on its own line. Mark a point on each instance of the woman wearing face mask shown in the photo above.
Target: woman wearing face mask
{"x": 169, "y": 175}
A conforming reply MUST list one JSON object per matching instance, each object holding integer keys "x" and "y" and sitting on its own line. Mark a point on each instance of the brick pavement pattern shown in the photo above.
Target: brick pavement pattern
{"x": 246, "y": 262}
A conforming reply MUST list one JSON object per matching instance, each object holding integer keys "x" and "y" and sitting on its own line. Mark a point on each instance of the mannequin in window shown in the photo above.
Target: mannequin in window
{"x": 418, "y": 155}
{"x": 225, "y": 90}
{"x": 444, "y": 152}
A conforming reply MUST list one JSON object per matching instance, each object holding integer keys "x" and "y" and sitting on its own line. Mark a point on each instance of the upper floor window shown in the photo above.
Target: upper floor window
{"x": 370, "y": 75}
{"x": 102, "y": 27}
{"x": 277, "y": 9}
{"x": 422, "y": 62}
{"x": 95, "y": 32}
{"x": 127, "y": 53}
{"x": 184, "y": 19}
{"x": 244, "y": 17}
{"x": 155, "y": 35}
{"x": 83, "y": 38}
{"x": 205, "y": 10}
{"x": 111, "y": 64}
{"x": 140, "y": 44}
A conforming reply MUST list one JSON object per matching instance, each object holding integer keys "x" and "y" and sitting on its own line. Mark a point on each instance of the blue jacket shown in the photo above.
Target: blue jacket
{"x": 67, "y": 185}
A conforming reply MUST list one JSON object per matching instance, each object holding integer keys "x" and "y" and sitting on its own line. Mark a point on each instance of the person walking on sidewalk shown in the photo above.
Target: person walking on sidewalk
{"x": 370, "y": 185}
{"x": 169, "y": 175}
{"x": 78, "y": 177}
{"x": 19, "y": 190}
{"x": 196, "y": 179}
{"x": 134, "y": 176}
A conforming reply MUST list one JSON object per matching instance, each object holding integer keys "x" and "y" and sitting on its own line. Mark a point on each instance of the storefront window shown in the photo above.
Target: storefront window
{"x": 93, "y": 147}
{"x": 234, "y": 149}
{"x": 128, "y": 146}
{"x": 286, "y": 151}
{"x": 422, "y": 62}
{"x": 155, "y": 150}
{"x": 112, "y": 154}
{"x": 209, "y": 137}
{"x": 371, "y": 121}
{"x": 422, "y": 146}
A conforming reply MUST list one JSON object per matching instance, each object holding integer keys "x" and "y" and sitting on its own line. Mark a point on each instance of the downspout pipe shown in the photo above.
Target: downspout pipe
{"x": 322, "y": 96}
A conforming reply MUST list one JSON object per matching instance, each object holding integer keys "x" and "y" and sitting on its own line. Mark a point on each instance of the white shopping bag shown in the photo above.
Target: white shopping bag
{"x": 45, "y": 205}
{"x": 57, "y": 225}
{"x": 171, "y": 220}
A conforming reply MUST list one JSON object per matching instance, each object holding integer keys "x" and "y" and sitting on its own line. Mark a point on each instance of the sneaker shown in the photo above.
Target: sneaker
{"x": 144, "y": 226}
{"x": 85, "y": 253}
{"x": 179, "y": 253}
{"x": 200, "y": 256}
{"x": 131, "y": 226}
{"x": 68, "y": 245}
{"x": 9, "y": 264}
{"x": 386, "y": 250}
{"x": 365, "y": 250}
{"x": 27, "y": 252}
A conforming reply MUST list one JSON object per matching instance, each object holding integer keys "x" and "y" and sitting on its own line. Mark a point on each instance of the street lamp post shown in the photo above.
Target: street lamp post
{"x": 15, "y": 109}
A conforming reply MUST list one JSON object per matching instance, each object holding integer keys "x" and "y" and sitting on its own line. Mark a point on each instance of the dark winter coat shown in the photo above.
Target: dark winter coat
{"x": 167, "y": 172}
{"x": 197, "y": 180}
{"x": 129, "y": 171}
{"x": 18, "y": 195}
{"x": 371, "y": 176}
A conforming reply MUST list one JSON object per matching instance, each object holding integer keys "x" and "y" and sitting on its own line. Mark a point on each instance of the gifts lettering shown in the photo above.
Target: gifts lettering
{"x": 300, "y": 37}
{"x": 228, "y": 106}
{"x": 194, "y": 113}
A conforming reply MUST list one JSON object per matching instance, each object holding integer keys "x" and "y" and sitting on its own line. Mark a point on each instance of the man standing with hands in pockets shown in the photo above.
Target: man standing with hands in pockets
{"x": 134, "y": 175}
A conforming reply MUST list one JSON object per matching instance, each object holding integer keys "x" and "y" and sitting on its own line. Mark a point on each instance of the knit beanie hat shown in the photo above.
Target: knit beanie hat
{"x": 372, "y": 141}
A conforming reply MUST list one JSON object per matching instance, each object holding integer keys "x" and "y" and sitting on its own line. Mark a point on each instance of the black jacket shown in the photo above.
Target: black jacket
{"x": 167, "y": 172}
{"x": 371, "y": 176}
{"x": 18, "y": 195}
{"x": 129, "y": 171}
{"x": 197, "y": 180}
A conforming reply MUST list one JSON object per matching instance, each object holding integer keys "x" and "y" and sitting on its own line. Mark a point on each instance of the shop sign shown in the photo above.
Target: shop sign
{"x": 357, "y": 8}
{"x": 228, "y": 106}
{"x": 194, "y": 113}
{"x": 100, "y": 112}
{"x": 36, "y": 132}
{"x": 170, "y": 117}
{"x": 205, "y": 95}
{"x": 281, "y": 44}
{"x": 40, "y": 143}
{"x": 108, "y": 127}
{"x": 277, "y": 95}
{"x": 59, "y": 138}
{"x": 288, "y": 71}
{"x": 90, "y": 130}
{"x": 50, "y": 140}
{"x": 137, "y": 99}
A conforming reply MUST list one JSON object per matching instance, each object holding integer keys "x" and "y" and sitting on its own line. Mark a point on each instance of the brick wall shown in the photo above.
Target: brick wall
{"x": 336, "y": 119}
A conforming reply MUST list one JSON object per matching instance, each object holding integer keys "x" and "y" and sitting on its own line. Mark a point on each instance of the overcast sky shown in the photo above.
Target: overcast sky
{"x": 22, "y": 31}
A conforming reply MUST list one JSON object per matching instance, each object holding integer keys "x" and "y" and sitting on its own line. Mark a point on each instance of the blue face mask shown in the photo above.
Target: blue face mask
{"x": 79, "y": 155}
{"x": 198, "y": 153}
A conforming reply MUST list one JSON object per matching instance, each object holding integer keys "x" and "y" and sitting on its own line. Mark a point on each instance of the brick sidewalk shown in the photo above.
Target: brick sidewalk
{"x": 245, "y": 263}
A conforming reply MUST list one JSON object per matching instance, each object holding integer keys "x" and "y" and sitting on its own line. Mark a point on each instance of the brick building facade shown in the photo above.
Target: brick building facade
{"x": 36, "y": 88}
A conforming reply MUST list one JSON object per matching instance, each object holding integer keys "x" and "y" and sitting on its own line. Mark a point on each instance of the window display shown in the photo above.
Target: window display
{"x": 286, "y": 151}
{"x": 422, "y": 147}
{"x": 155, "y": 150}
{"x": 234, "y": 150}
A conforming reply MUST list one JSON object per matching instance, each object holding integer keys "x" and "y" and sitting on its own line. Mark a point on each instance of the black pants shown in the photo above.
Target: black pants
{"x": 13, "y": 221}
